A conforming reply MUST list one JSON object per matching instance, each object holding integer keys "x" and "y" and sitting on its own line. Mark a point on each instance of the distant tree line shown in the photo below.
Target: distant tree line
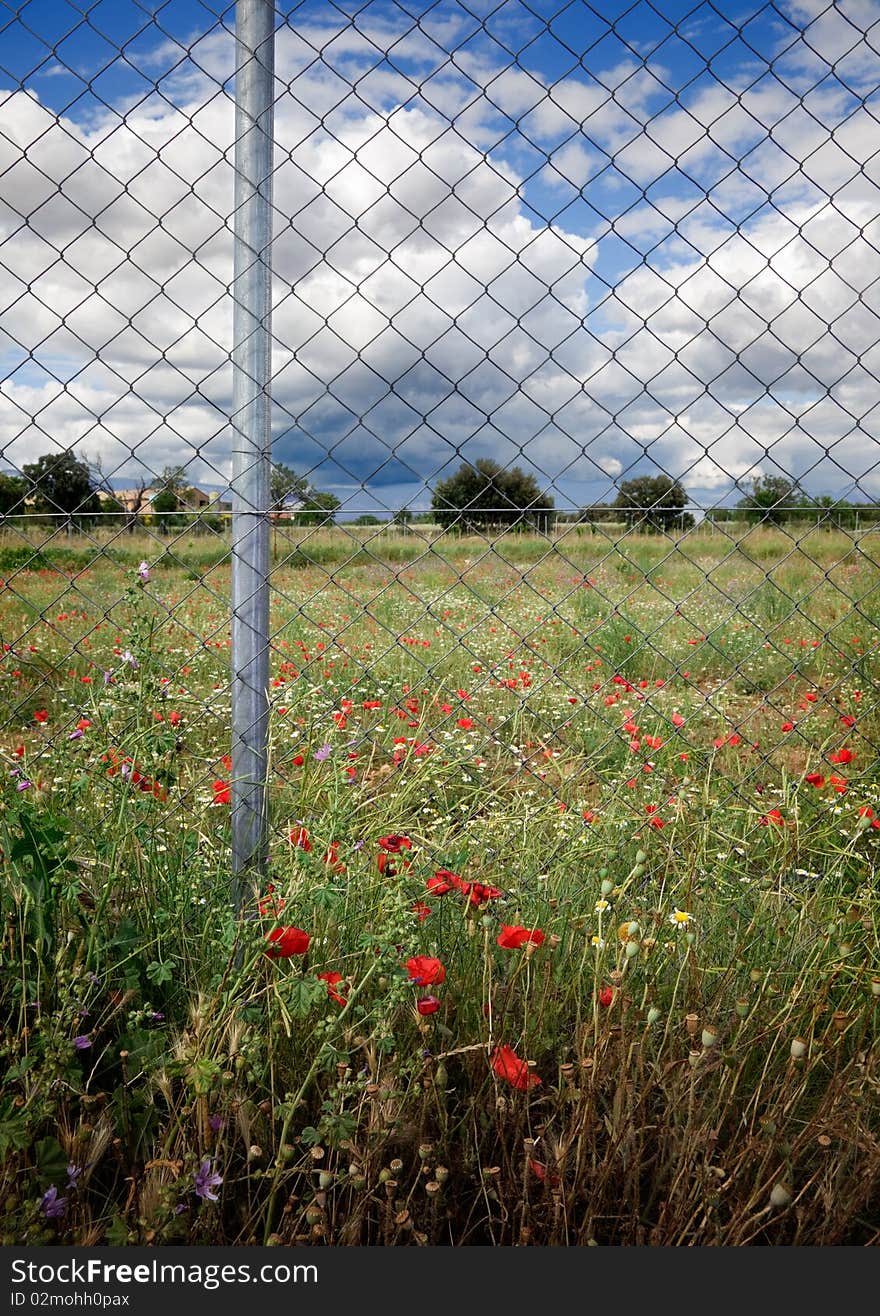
{"x": 72, "y": 491}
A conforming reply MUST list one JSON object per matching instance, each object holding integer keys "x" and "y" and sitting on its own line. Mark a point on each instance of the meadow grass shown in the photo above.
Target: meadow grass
{"x": 569, "y": 932}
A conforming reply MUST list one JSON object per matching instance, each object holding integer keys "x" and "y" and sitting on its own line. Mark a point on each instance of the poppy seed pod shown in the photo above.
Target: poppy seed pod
{"x": 798, "y": 1048}
{"x": 780, "y": 1194}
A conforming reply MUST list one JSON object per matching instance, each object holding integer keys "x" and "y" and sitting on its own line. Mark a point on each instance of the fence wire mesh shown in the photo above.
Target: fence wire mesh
{"x": 574, "y": 349}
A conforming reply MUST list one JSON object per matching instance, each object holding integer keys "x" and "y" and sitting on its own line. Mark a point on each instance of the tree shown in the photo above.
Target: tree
{"x": 367, "y": 518}
{"x": 772, "y": 499}
{"x": 402, "y": 518}
{"x": 654, "y": 501}
{"x": 485, "y": 494}
{"x": 12, "y": 495}
{"x": 61, "y": 483}
{"x": 316, "y": 509}
{"x": 286, "y": 487}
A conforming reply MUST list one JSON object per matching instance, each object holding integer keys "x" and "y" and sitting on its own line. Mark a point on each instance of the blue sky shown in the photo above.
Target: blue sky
{"x": 593, "y": 241}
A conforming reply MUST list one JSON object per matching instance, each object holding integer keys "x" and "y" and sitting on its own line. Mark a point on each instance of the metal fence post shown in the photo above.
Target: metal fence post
{"x": 251, "y": 357}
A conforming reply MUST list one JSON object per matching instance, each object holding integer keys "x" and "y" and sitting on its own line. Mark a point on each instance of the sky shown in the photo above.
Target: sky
{"x": 592, "y": 241}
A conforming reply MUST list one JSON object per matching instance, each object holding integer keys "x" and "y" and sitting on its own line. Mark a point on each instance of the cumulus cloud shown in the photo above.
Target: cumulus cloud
{"x": 665, "y": 261}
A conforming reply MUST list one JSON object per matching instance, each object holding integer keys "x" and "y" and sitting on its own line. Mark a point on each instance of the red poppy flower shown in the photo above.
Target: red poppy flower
{"x": 442, "y": 881}
{"x": 222, "y": 792}
{"x": 424, "y": 970}
{"x": 299, "y": 838}
{"x": 513, "y": 938}
{"x": 393, "y": 844}
{"x": 815, "y": 779}
{"x": 271, "y": 904}
{"x": 606, "y": 996}
{"x": 331, "y": 977}
{"x": 842, "y": 756}
{"x": 507, "y": 1064}
{"x": 479, "y": 892}
{"x": 428, "y": 1004}
{"x": 287, "y": 942}
{"x": 422, "y": 910}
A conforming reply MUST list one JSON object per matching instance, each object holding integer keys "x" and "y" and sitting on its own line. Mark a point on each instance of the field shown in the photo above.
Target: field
{"x": 570, "y": 929}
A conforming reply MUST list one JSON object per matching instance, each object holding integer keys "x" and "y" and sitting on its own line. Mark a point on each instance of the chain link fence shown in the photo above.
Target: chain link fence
{"x": 533, "y": 438}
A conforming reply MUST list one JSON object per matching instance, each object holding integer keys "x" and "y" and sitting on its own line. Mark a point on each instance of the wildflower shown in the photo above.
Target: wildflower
{"x": 841, "y": 756}
{"x": 53, "y": 1206}
{"x": 287, "y": 942}
{"x": 144, "y": 572}
{"x": 222, "y": 792}
{"x": 428, "y": 1004}
{"x": 271, "y": 905}
{"x": 424, "y": 970}
{"x": 332, "y": 978}
{"x": 299, "y": 838}
{"x": 216, "y": 1123}
{"x": 606, "y": 996}
{"x": 513, "y": 938}
{"x": 205, "y": 1179}
{"x": 442, "y": 881}
{"x": 507, "y": 1064}
{"x": 478, "y": 893}
{"x": 41, "y": 715}
{"x": 82, "y": 1043}
{"x": 423, "y": 910}
{"x": 602, "y": 905}
{"x": 321, "y": 755}
{"x": 394, "y": 843}
{"x": 73, "y": 1173}
{"x": 679, "y": 918}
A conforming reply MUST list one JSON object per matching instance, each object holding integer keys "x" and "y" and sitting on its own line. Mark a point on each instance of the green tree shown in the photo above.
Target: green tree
{"x": 12, "y": 495}
{"x": 773, "y": 499}
{"x": 62, "y": 484}
{"x": 286, "y": 487}
{"x": 316, "y": 509}
{"x": 484, "y": 494}
{"x": 655, "y": 502}
{"x": 367, "y": 518}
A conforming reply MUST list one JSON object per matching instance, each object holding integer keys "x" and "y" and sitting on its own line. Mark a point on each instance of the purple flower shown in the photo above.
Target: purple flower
{"x": 75, "y": 735}
{"x": 179, "y": 1209}
{"x": 82, "y": 1043}
{"x": 128, "y": 657}
{"x": 323, "y": 753}
{"x": 24, "y": 785}
{"x": 53, "y": 1206}
{"x": 216, "y": 1122}
{"x": 73, "y": 1173}
{"x": 206, "y": 1179}
{"x": 108, "y": 678}
{"x": 144, "y": 572}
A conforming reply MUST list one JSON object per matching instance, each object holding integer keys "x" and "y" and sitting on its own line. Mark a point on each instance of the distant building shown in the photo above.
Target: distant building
{"x": 139, "y": 501}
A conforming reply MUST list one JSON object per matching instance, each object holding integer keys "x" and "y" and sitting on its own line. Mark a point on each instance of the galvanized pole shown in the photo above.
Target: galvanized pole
{"x": 251, "y": 420}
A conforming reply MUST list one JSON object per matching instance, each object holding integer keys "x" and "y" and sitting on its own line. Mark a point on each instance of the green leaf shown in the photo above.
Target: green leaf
{"x": 303, "y": 994}
{"x": 51, "y": 1160}
{"x": 160, "y": 972}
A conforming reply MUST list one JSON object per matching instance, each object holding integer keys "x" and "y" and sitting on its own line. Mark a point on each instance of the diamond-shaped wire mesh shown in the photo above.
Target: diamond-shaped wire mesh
{"x": 574, "y": 350}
